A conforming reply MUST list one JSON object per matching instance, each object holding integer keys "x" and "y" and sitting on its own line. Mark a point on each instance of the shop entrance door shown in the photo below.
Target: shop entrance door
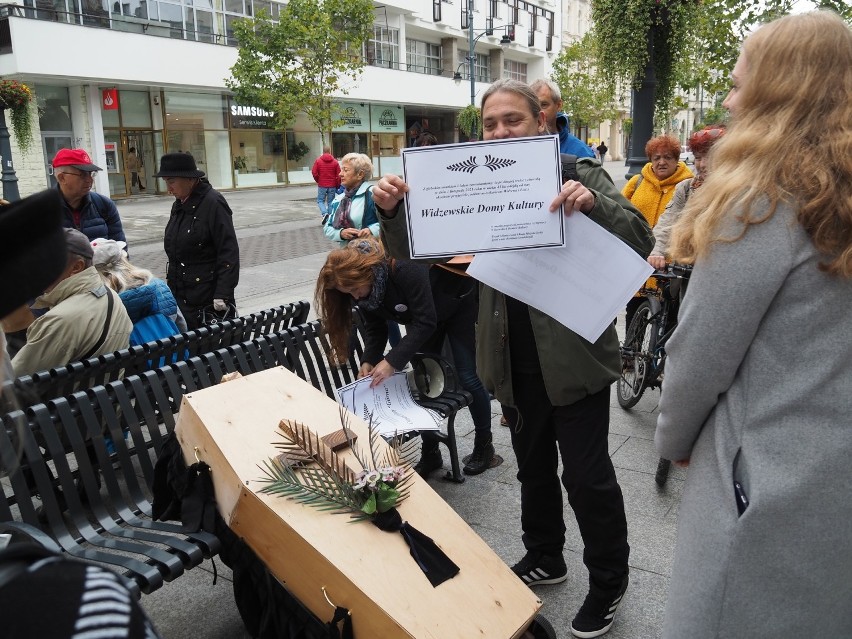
{"x": 131, "y": 161}
{"x": 140, "y": 160}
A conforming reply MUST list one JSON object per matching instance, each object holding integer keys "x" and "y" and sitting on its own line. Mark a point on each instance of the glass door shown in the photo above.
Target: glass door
{"x": 131, "y": 162}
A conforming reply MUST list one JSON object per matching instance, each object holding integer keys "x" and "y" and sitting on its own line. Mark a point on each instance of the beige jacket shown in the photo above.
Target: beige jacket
{"x": 73, "y": 325}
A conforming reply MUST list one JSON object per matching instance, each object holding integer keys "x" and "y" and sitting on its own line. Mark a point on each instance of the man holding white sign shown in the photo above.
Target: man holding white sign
{"x": 556, "y": 382}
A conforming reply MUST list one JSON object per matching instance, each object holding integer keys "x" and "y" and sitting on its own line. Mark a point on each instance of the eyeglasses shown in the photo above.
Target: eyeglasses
{"x": 86, "y": 175}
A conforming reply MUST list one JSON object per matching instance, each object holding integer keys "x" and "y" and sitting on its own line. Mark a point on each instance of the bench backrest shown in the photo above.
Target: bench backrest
{"x": 65, "y": 380}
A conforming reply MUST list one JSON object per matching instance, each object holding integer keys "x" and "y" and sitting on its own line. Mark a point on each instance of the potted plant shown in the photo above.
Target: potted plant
{"x": 297, "y": 151}
{"x": 470, "y": 122}
{"x": 239, "y": 163}
{"x": 16, "y": 97}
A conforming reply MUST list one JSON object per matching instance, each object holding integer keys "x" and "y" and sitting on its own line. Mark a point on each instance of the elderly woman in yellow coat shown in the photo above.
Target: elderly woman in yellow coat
{"x": 654, "y": 187}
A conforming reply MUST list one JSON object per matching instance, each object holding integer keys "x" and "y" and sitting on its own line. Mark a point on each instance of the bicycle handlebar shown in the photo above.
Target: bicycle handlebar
{"x": 674, "y": 271}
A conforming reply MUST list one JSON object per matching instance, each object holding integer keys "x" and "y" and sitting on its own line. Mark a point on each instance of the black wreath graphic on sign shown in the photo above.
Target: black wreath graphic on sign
{"x": 491, "y": 163}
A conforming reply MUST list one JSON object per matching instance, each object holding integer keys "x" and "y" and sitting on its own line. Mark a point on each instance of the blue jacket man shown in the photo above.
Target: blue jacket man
{"x": 557, "y": 122}
{"x": 92, "y": 214}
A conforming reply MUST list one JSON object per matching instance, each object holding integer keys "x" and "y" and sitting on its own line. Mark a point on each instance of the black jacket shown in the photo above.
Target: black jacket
{"x": 407, "y": 301}
{"x": 201, "y": 244}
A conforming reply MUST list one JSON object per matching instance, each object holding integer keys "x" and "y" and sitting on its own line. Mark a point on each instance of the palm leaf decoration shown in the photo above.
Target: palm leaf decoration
{"x": 329, "y": 485}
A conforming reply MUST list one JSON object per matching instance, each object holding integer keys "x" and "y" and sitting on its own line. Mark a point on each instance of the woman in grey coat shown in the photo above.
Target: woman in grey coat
{"x": 758, "y": 392}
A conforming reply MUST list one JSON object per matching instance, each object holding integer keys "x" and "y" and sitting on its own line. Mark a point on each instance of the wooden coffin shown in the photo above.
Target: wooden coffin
{"x": 232, "y": 427}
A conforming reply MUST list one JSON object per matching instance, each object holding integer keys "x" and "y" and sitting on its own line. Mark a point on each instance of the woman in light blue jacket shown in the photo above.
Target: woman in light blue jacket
{"x": 352, "y": 214}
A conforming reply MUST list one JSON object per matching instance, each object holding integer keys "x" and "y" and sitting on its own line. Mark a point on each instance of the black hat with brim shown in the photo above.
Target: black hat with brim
{"x": 178, "y": 165}
{"x": 34, "y": 252}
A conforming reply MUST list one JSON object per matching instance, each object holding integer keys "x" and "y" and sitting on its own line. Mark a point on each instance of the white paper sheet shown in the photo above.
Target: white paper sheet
{"x": 582, "y": 285}
{"x": 482, "y": 196}
{"x": 391, "y": 404}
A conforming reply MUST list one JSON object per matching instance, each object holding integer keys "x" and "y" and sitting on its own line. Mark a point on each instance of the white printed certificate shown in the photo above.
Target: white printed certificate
{"x": 390, "y": 404}
{"x": 478, "y": 197}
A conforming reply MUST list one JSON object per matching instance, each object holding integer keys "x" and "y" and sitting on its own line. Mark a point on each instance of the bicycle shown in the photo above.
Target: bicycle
{"x": 643, "y": 353}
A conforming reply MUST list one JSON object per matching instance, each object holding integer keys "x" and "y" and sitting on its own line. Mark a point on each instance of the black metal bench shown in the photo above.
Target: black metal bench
{"x": 62, "y": 444}
{"x": 64, "y": 380}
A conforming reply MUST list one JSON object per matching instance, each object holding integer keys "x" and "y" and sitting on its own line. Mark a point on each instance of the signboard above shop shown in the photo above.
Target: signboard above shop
{"x": 387, "y": 118}
{"x": 250, "y": 117}
{"x": 355, "y": 116}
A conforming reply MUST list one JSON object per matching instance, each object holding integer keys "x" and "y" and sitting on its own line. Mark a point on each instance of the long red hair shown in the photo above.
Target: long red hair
{"x": 349, "y": 267}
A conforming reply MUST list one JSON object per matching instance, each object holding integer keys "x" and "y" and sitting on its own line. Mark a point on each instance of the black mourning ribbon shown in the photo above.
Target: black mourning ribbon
{"x": 437, "y": 567}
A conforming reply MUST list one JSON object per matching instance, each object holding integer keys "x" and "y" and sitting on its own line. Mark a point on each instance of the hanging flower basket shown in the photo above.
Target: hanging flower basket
{"x": 16, "y": 97}
{"x": 470, "y": 121}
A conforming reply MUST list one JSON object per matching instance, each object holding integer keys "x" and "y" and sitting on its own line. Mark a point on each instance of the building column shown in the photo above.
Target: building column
{"x": 91, "y": 122}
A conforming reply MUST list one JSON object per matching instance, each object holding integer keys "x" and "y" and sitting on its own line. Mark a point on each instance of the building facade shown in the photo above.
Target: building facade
{"x": 146, "y": 77}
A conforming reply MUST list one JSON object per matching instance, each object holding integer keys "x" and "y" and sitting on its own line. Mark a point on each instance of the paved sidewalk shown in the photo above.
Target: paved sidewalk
{"x": 283, "y": 249}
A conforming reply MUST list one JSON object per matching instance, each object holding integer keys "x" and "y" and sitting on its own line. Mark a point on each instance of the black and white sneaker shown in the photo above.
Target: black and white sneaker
{"x": 597, "y": 615}
{"x": 539, "y": 569}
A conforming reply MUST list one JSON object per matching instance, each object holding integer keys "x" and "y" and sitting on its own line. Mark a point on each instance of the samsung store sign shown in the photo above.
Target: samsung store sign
{"x": 250, "y": 117}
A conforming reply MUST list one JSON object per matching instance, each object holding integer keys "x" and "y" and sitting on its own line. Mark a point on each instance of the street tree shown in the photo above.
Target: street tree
{"x": 297, "y": 62}
{"x": 688, "y": 42}
{"x": 586, "y": 96}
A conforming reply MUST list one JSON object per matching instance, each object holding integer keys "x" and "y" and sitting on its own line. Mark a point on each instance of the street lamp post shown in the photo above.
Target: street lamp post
{"x": 471, "y": 55}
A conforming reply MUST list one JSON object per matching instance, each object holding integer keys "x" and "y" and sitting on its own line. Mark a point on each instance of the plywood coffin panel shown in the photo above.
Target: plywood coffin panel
{"x": 233, "y": 427}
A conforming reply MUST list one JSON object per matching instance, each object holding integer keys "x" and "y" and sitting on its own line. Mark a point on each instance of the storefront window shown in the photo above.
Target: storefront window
{"x": 211, "y": 152}
{"x": 387, "y": 123}
{"x": 195, "y": 111}
{"x": 135, "y": 109}
{"x": 343, "y": 143}
{"x": 258, "y": 157}
{"x": 54, "y": 108}
{"x": 303, "y": 147}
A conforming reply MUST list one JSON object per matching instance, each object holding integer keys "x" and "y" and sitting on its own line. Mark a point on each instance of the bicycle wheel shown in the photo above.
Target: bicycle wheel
{"x": 635, "y": 357}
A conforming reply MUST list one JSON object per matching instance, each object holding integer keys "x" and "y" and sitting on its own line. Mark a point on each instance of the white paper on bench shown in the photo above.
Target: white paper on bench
{"x": 391, "y": 404}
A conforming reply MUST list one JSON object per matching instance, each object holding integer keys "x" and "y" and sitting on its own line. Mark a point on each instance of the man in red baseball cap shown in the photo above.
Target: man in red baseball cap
{"x": 93, "y": 214}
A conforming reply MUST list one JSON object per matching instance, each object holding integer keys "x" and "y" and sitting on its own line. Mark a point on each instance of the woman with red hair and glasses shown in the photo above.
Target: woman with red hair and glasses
{"x": 653, "y": 188}
{"x": 699, "y": 143}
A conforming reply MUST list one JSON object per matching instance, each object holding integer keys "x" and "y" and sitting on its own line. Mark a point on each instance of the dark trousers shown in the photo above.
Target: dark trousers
{"x": 579, "y": 432}
{"x": 456, "y": 305}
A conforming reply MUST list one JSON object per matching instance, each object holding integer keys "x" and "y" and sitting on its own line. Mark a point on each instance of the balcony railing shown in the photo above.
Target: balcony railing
{"x": 105, "y": 20}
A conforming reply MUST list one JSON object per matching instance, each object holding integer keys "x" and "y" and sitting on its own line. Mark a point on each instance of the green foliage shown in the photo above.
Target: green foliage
{"x": 17, "y": 97}
{"x": 296, "y": 64}
{"x": 624, "y": 31}
{"x": 297, "y": 151}
{"x": 713, "y": 115}
{"x": 311, "y": 473}
{"x": 695, "y": 43}
{"x": 587, "y": 95}
{"x": 469, "y": 121}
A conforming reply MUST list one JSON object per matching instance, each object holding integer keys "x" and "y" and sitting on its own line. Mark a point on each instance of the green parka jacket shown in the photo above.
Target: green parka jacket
{"x": 571, "y": 366}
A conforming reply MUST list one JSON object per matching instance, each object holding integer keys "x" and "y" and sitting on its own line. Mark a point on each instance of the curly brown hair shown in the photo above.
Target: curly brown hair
{"x": 349, "y": 267}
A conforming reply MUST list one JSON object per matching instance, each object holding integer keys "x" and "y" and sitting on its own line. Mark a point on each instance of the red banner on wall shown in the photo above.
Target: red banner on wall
{"x": 110, "y": 99}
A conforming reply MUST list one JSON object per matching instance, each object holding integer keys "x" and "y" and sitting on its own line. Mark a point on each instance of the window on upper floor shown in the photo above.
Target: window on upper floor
{"x": 515, "y": 70}
{"x": 481, "y": 66}
{"x": 382, "y": 49}
{"x": 423, "y": 57}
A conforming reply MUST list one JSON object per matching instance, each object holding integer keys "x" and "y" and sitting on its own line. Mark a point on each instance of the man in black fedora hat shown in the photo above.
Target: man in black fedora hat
{"x": 200, "y": 241}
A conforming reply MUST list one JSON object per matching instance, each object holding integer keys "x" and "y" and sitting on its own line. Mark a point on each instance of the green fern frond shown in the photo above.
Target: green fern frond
{"x": 312, "y": 486}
